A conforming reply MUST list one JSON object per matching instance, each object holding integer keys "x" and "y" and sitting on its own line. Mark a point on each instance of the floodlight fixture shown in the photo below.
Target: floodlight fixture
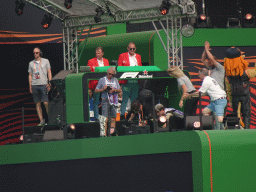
{"x": 165, "y": 6}
{"x": 203, "y": 21}
{"x": 19, "y": 6}
{"x": 47, "y": 20}
{"x": 99, "y": 12}
{"x": 68, "y": 4}
{"x": 249, "y": 20}
{"x": 233, "y": 23}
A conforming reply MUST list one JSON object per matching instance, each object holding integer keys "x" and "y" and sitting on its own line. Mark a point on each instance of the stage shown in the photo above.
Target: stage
{"x": 171, "y": 161}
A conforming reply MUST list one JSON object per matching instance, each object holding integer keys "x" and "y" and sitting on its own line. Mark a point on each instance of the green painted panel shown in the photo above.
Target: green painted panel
{"x": 74, "y": 98}
{"x": 222, "y": 37}
{"x": 116, "y": 29}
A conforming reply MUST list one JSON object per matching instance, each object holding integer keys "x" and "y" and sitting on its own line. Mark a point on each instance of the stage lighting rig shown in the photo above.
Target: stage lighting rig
{"x": 19, "y": 6}
{"x": 68, "y": 4}
{"x": 99, "y": 12}
{"x": 203, "y": 21}
{"x": 165, "y": 6}
{"x": 249, "y": 20}
{"x": 47, "y": 20}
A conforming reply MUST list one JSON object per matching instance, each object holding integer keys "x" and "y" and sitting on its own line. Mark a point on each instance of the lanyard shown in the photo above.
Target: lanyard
{"x": 35, "y": 66}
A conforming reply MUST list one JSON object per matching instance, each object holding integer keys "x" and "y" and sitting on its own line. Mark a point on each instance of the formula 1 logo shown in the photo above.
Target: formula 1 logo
{"x": 129, "y": 75}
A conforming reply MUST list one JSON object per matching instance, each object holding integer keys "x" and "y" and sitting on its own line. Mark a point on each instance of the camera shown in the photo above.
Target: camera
{"x": 108, "y": 88}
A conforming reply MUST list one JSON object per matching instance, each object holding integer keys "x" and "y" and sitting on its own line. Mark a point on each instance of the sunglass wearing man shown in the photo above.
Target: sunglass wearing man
{"x": 39, "y": 81}
{"x": 131, "y": 88}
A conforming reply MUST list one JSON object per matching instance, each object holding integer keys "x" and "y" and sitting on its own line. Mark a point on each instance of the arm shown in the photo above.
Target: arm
{"x": 139, "y": 60}
{"x": 209, "y": 54}
{"x": 90, "y": 63}
{"x": 120, "y": 60}
{"x": 30, "y": 82}
{"x": 184, "y": 91}
{"x": 101, "y": 90}
{"x": 204, "y": 59}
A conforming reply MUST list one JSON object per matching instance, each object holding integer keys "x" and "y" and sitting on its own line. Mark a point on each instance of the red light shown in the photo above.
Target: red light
{"x": 248, "y": 16}
{"x": 164, "y": 11}
{"x": 203, "y": 17}
{"x": 45, "y": 26}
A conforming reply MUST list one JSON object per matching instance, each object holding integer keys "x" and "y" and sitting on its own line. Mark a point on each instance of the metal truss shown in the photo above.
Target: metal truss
{"x": 119, "y": 14}
{"x": 145, "y": 15}
{"x": 173, "y": 45}
{"x": 51, "y": 7}
{"x": 70, "y": 48}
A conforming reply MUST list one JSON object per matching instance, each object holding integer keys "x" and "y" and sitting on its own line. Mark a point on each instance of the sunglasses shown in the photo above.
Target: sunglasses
{"x": 132, "y": 49}
{"x": 36, "y": 53}
{"x": 111, "y": 74}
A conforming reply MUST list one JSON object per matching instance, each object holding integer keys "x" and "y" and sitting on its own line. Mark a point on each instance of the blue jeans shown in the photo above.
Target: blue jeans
{"x": 217, "y": 107}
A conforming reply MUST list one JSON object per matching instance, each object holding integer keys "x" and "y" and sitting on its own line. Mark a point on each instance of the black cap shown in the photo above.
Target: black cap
{"x": 233, "y": 53}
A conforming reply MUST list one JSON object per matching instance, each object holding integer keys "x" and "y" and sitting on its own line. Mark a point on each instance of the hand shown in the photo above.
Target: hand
{"x": 206, "y": 45}
{"x": 105, "y": 88}
{"x": 181, "y": 104}
{"x": 112, "y": 90}
{"x": 48, "y": 86}
{"x": 186, "y": 95}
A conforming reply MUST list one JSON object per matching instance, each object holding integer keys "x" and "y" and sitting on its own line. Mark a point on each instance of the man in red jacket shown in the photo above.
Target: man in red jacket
{"x": 97, "y": 61}
{"x": 131, "y": 88}
{"x": 130, "y": 58}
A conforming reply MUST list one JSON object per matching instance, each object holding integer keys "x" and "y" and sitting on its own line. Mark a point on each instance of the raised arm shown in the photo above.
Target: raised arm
{"x": 209, "y": 54}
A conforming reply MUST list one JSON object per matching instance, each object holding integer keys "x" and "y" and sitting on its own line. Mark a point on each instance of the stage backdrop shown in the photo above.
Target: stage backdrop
{"x": 15, "y": 58}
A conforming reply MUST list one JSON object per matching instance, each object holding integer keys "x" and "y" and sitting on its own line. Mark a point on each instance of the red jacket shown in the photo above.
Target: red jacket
{"x": 123, "y": 59}
{"x": 94, "y": 63}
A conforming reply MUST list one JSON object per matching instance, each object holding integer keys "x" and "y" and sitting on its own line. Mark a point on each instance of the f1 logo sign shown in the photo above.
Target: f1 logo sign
{"x": 129, "y": 75}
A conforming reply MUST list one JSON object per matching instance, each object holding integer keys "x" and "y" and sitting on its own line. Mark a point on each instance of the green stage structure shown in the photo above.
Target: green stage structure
{"x": 219, "y": 161}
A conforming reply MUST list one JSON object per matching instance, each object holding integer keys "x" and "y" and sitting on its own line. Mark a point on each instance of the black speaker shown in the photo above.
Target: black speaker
{"x": 87, "y": 130}
{"x": 57, "y": 112}
{"x": 136, "y": 129}
{"x": 232, "y": 121}
{"x": 53, "y": 135}
{"x": 33, "y": 138}
{"x": 193, "y": 122}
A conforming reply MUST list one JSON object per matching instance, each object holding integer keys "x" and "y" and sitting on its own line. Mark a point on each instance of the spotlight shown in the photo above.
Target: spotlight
{"x": 68, "y": 4}
{"x": 162, "y": 121}
{"x": 248, "y": 16}
{"x": 47, "y": 20}
{"x": 99, "y": 12}
{"x": 19, "y": 7}
{"x": 249, "y": 20}
{"x": 233, "y": 23}
{"x": 21, "y": 138}
{"x": 72, "y": 126}
{"x": 165, "y": 6}
{"x": 203, "y": 17}
{"x": 203, "y": 21}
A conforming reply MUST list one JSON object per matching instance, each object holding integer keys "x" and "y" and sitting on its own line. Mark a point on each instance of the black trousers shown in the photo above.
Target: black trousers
{"x": 245, "y": 108}
{"x": 191, "y": 106}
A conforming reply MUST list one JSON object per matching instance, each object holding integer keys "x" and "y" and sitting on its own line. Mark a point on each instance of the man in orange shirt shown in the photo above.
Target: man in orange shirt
{"x": 130, "y": 88}
{"x": 97, "y": 61}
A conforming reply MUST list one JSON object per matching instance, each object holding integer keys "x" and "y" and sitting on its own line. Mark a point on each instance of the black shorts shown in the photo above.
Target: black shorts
{"x": 40, "y": 93}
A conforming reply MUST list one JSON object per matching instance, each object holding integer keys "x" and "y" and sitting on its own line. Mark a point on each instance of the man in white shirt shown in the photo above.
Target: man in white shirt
{"x": 217, "y": 96}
